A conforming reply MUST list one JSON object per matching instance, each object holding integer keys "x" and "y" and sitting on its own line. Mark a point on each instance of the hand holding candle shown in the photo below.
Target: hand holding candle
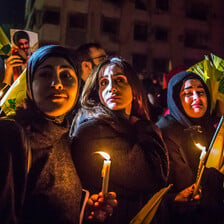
{"x": 105, "y": 171}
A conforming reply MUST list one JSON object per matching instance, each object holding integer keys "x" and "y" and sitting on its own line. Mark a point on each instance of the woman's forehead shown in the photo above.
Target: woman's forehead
{"x": 191, "y": 83}
{"x": 110, "y": 69}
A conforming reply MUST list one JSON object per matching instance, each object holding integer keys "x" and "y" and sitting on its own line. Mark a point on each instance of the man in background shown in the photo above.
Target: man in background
{"x": 89, "y": 55}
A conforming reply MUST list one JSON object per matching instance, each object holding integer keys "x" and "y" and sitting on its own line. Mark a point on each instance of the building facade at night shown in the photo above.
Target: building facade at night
{"x": 151, "y": 34}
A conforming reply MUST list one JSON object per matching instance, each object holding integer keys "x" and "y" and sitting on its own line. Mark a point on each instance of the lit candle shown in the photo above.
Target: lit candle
{"x": 202, "y": 157}
{"x": 105, "y": 171}
{"x": 200, "y": 167}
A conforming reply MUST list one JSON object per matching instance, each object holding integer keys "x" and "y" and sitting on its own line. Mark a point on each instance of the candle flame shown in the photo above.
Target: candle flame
{"x": 104, "y": 155}
{"x": 201, "y": 147}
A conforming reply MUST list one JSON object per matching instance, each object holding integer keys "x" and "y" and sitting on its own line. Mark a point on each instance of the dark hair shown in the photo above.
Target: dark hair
{"x": 20, "y": 34}
{"x": 90, "y": 98}
{"x": 83, "y": 52}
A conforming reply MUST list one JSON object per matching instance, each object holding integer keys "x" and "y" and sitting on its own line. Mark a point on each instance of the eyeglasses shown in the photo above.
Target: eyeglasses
{"x": 101, "y": 57}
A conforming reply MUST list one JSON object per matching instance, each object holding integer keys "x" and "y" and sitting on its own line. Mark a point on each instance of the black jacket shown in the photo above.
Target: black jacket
{"x": 180, "y": 134}
{"x": 139, "y": 163}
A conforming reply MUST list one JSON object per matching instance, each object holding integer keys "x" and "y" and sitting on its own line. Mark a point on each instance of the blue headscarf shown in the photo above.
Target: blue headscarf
{"x": 174, "y": 102}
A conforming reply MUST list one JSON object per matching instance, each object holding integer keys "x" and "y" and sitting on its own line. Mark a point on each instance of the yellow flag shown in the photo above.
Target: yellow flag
{"x": 216, "y": 154}
{"x": 15, "y": 95}
{"x": 219, "y": 64}
{"x": 146, "y": 214}
{"x": 5, "y": 46}
{"x": 210, "y": 70}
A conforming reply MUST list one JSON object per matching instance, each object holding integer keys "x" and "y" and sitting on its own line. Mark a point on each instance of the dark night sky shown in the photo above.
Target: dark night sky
{"x": 12, "y": 15}
{"x": 12, "y": 12}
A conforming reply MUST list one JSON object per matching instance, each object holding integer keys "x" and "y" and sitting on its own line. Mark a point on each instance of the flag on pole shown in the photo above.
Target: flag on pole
{"x": 214, "y": 157}
{"x": 146, "y": 214}
{"x": 216, "y": 154}
{"x": 5, "y": 46}
{"x": 14, "y": 96}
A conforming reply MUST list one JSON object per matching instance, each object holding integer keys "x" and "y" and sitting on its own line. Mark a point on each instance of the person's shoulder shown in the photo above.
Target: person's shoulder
{"x": 166, "y": 121}
{"x": 146, "y": 126}
{"x": 7, "y": 122}
{"x": 94, "y": 128}
{"x": 9, "y": 128}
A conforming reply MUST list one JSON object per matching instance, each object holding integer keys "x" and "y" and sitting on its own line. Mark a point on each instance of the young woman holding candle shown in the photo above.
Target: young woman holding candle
{"x": 114, "y": 119}
{"x": 189, "y": 123}
{"x": 38, "y": 179}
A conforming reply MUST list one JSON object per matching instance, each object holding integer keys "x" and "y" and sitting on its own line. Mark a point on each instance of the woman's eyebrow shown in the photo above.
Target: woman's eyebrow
{"x": 188, "y": 87}
{"x": 66, "y": 66}
{"x": 116, "y": 74}
{"x": 44, "y": 66}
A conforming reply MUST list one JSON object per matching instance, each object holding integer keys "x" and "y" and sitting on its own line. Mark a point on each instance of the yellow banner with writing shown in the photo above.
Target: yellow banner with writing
{"x": 14, "y": 96}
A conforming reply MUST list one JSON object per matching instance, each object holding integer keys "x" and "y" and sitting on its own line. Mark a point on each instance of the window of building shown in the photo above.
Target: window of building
{"x": 117, "y": 3}
{"x": 160, "y": 65}
{"x": 197, "y": 10}
{"x": 141, "y": 4}
{"x": 141, "y": 31}
{"x": 77, "y": 20}
{"x": 110, "y": 27}
{"x": 161, "y": 34}
{"x": 51, "y": 17}
{"x": 162, "y": 5}
{"x": 139, "y": 62}
{"x": 196, "y": 39}
{"x": 75, "y": 37}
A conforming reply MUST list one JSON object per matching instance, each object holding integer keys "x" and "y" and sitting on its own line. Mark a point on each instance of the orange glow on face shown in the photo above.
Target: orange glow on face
{"x": 104, "y": 155}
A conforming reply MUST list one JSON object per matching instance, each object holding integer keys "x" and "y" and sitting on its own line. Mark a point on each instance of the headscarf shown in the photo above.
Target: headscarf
{"x": 38, "y": 57}
{"x": 174, "y": 102}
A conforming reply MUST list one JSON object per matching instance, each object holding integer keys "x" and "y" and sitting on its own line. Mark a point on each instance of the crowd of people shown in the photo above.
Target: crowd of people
{"x": 82, "y": 101}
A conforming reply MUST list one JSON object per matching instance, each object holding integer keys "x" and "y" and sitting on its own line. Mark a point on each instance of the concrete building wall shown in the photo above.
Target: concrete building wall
{"x": 169, "y": 35}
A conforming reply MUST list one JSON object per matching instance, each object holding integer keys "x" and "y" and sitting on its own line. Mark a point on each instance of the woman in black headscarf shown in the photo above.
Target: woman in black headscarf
{"x": 188, "y": 123}
{"x": 38, "y": 179}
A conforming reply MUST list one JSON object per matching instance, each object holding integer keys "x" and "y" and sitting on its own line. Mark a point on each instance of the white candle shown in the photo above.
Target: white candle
{"x": 202, "y": 157}
{"x": 105, "y": 171}
{"x": 200, "y": 167}
{"x": 105, "y": 175}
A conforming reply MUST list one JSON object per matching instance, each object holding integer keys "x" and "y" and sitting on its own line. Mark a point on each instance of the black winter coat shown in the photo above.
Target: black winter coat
{"x": 139, "y": 163}
{"x": 183, "y": 153}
